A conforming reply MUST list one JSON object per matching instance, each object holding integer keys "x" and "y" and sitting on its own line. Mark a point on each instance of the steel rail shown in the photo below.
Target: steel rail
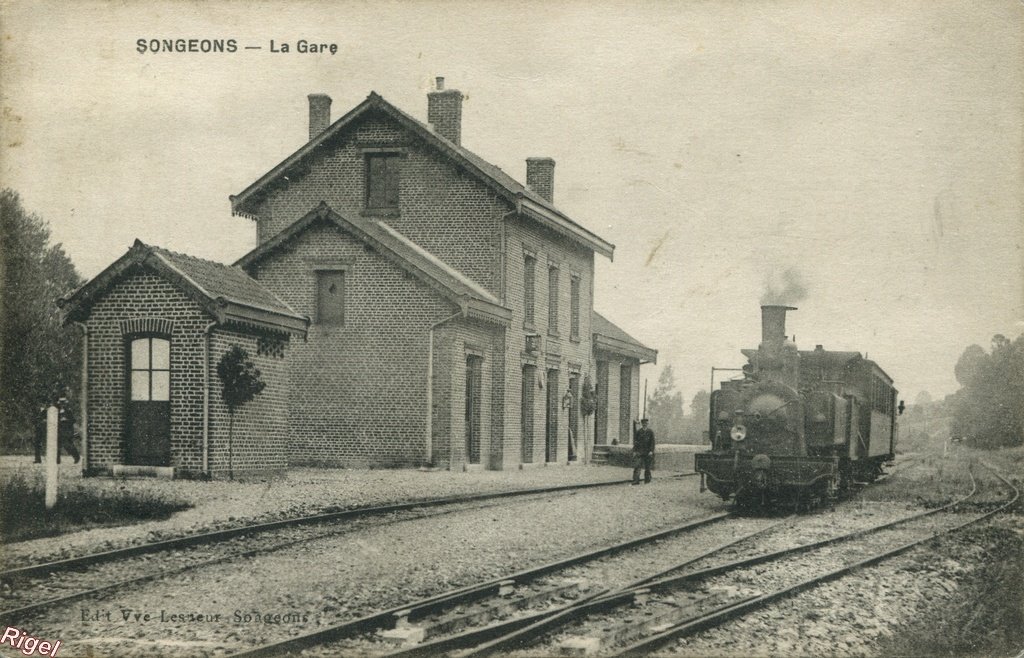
{"x": 18, "y": 573}
{"x": 735, "y": 610}
{"x": 422, "y": 607}
{"x": 519, "y": 637}
{"x": 508, "y": 634}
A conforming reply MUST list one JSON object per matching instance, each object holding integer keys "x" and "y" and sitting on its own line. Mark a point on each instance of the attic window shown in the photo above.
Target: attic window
{"x": 382, "y": 181}
{"x": 330, "y": 298}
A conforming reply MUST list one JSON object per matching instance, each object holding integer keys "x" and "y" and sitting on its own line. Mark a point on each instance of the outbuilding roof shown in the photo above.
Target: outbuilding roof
{"x": 526, "y": 201}
{"x": 471, "y": 297}
{"x": 226, "y": 292}
{"x": 610, "y": 338}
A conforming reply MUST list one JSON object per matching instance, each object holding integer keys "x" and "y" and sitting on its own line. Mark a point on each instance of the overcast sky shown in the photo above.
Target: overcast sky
{"x": 873, "y": 152}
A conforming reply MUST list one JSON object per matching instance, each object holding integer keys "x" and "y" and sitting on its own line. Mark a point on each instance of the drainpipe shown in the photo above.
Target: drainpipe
{"x": 84, "y": 401}
{"x": 503, "y": 258}
{"x": 430, "y": 385}
{"x": 206, "y": 396}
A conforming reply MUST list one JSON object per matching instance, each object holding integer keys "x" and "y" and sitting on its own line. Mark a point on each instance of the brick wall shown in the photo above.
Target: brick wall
{"x": 463, "y": 222}
{"x": 358, "y": 391}
{"x": 259, "y": 437}
{"x": 139, "y": 301}
{"x": 560, "y": 352}
{"x": 453, "y": 343}
{"x": 443, "y": 209}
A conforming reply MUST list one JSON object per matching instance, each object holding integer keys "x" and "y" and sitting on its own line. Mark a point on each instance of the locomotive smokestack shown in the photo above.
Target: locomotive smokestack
{"x": 773, "y": 324}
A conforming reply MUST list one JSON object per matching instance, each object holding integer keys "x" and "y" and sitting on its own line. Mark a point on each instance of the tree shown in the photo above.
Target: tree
{"x": 242, "y": 382}
{"x": 665, "y": 407}
{"x": 700, "y": 406}
{"x": 37, "y": 353}
{"x": 989, "y": 407}
{"x": 970, "y": 363}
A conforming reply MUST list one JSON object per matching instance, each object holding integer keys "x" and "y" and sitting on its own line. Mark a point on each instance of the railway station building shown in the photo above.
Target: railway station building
{"x": 426, "y": 309}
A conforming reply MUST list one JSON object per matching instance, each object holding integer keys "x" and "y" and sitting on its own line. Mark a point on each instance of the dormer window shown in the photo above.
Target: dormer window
{"x": 382, "y": 181}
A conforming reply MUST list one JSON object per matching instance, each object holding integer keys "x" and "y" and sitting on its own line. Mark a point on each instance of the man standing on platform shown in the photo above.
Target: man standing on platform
{"x": 643, "y": 452}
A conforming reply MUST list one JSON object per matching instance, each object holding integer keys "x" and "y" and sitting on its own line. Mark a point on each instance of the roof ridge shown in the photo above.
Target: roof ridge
{"x": 492, "y": 175}
{"x": 181, "y": 254}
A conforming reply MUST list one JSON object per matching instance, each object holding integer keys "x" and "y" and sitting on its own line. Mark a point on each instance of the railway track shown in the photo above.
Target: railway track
{"x": 406, "y": 614}
{"x": 630, "y": 619}
{"x": 65, "y": 581}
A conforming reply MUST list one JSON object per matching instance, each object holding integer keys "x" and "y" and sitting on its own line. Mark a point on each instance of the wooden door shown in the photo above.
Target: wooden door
{"x": 474, "y": 381}
{"x": 551, "y": 431}
{"x": 148, "y": 426}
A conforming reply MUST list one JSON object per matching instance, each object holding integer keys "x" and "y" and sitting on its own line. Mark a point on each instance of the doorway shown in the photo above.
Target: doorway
{"x": 574, "y": 416}
{"x": 551, "y": 430}
{"x": 474, "y": 381}
{"x": 148, "y": 440}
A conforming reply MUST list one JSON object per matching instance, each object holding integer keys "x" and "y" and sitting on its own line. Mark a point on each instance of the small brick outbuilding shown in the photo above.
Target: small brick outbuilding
{"x": 156, "y": 324}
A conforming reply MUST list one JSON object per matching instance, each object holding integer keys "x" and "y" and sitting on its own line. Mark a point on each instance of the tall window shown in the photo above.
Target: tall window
{"x": 529, "y": 286}
{"x": 151, "y": 369}
{"x": 330, "y": 297}
{"x": 574, "y": 308}
{"x": 382, "y": 181}
{"x": 553, "y": 300}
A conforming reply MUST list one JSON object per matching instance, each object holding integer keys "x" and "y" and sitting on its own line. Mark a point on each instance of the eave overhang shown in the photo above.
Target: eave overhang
{"x": 388, "y": 243}
{"x": 622, "y": 348}
{"x": 561, "y": 225}
{"x": 78, "y": 305}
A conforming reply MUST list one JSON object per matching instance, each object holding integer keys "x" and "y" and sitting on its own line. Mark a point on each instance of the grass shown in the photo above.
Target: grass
{"x": 23, "y": 513}
{"x": 986, "y": 617}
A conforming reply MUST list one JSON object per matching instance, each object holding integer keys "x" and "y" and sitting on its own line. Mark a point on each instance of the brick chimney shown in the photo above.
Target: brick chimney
{"x": 540, "y": 177}
{"x": 319, "y": 114}
{"x": 444, "y": 112}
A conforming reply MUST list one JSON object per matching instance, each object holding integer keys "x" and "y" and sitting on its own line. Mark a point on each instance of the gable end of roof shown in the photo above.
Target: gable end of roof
{"x": 526, "y": 202}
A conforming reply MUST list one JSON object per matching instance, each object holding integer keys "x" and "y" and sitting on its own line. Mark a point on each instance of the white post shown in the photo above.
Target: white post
{"x": 51, "y": 457}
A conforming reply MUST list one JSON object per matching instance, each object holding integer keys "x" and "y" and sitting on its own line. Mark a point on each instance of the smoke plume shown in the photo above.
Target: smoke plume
{"x": 785, "y": 288}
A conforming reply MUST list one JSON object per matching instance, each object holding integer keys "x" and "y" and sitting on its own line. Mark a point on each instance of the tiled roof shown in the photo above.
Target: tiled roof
{"x": 225, "y": 281}
{"x": 609, "y": 337}
{"x": 226, "y": 292}
{"x": 533, "y": 205}
{"x": 401, "y": 251}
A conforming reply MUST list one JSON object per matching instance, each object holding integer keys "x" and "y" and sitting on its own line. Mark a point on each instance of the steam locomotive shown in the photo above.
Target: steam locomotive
{"x": 800, "y": 425}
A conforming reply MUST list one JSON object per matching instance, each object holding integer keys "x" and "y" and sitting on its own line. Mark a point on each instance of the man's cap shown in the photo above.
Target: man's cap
{"x": 645, "y": 420}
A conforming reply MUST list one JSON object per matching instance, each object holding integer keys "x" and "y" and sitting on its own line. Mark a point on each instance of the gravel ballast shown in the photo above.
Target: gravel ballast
{"x": 377, "y": 566}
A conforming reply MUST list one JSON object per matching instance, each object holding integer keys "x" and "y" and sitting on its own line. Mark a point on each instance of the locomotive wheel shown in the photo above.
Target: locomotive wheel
{"x": 750, "y": 503}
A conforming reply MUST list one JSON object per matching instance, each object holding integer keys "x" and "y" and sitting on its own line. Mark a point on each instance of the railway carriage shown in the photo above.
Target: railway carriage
{"x": 799, "y": 424}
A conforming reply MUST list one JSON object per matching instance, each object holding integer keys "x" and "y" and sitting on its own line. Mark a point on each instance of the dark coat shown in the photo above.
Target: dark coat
{"x": 643, "y": 441}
